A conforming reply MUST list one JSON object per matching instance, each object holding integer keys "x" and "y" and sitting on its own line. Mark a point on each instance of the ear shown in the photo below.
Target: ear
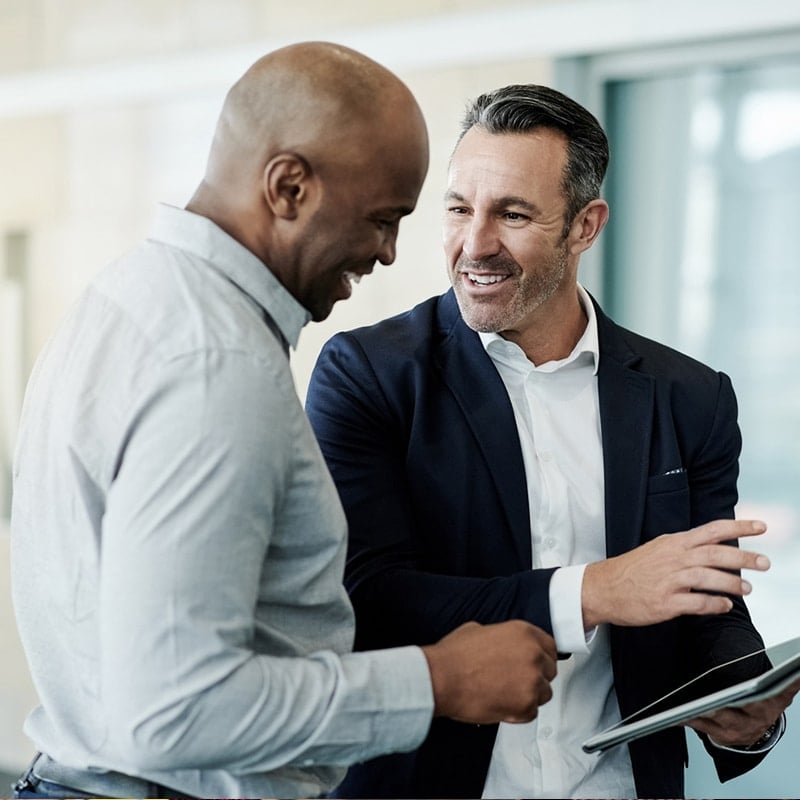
{"x": 586, "y": 226}
{"x": 287, "y": 183}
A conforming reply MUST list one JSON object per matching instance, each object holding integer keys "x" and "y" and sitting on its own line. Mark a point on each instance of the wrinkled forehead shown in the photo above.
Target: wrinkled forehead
{"x": 509, "y": 164}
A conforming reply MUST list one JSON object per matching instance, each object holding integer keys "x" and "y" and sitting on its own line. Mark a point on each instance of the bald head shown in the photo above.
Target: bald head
{"x": 331, "y": 108}
{"x": 301, "y": 97}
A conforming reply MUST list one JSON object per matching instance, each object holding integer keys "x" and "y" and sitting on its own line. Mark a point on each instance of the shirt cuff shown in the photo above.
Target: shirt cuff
{"x": 763, "y": 748}
{"x": 566, "y": 611}
{"x": 406, "y": 708}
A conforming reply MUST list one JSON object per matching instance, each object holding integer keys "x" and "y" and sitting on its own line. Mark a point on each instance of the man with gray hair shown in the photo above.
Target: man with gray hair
{"x": 507, "y": 451}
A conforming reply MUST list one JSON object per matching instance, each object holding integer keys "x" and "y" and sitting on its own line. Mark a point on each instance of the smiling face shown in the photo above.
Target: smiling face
{"x": 318, "y": 153}
{"x": 369, "y": 179}
{"x": 355, "y": 225}
{"x": 508, "y": 257}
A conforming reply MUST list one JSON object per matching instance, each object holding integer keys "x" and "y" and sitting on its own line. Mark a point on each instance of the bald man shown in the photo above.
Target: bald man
{"x": 177, "y": 542}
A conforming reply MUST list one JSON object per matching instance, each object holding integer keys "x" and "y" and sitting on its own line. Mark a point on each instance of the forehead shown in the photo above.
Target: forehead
{"x": 385, "y": 174}
{"x": 529, "y": 165}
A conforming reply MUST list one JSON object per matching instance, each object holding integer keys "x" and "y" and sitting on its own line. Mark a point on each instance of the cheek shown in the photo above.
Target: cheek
{"x": 358, "y": 240}
{"x": 451, "y": 241}
{"x": 527, "y": 251}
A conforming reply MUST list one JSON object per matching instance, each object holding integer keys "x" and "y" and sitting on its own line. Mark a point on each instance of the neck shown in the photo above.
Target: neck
{"x": 557, "y": 327}
{"x": 234, "y": 218}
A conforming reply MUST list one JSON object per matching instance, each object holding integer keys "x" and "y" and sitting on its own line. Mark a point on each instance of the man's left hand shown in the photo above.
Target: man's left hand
{"x": 742, "y": 727}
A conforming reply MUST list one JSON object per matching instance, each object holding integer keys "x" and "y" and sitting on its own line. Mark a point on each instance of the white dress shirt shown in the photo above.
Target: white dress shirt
{"x": 178, "y": 543}
{"x": 556, "y": 411}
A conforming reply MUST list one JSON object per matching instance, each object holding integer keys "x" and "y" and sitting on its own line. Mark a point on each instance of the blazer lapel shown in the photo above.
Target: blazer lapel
{"x": 626, "y": 400}
{"x": 481, "y": 395}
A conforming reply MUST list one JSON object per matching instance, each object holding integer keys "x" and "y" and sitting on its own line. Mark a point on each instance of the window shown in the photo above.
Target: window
{"x": 700, "y": 253}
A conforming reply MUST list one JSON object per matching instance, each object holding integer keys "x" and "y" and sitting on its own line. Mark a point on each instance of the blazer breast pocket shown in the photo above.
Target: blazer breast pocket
{"x": 667, "y": 507}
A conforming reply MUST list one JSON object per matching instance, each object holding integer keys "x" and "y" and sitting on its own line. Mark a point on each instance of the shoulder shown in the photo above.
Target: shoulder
{"x": 690, "y": 397}
{"x": 413, "y": 334}
{"x": 647, "y": 356}
{"x": 188, "y": 335}
{"x": 177, "y": 303}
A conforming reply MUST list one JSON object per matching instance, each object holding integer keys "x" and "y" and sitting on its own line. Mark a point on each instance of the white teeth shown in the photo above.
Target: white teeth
{"x": 485, "y": 280}
{"x": 353, "y": 277}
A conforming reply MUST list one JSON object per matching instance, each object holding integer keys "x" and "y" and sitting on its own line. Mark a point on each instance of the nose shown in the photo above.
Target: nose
{"x": 480, "y": 239}
{"x": 388, "y": 249}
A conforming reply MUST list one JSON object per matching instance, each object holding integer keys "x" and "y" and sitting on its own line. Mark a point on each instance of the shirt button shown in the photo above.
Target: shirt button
{"x": 546, "y": 455}
{"x": 550, "y": 542}
{"x": 547, "y": 732}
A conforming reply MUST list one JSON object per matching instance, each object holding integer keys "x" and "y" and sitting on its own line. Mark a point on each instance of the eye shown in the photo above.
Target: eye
{"x": 457, "y": 210}
{"x": 514, "y": 216}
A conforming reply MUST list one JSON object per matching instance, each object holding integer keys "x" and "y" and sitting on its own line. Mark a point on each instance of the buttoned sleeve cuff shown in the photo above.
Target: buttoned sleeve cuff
{"x": 404, "y": 705}
{"x": 387, "y": 706}
{"x": 566, "y": 612}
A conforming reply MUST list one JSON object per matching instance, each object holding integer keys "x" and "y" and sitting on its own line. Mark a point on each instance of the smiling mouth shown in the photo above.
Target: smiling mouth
{"x": 478, "y": 279}
{"x": 352, "y": 277}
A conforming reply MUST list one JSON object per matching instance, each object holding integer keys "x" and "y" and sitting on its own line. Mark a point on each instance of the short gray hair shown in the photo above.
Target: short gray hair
{"x": 521, "y": 108}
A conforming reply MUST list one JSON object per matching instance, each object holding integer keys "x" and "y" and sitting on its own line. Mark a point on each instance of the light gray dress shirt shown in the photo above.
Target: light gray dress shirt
{"x": 178, "y": 544}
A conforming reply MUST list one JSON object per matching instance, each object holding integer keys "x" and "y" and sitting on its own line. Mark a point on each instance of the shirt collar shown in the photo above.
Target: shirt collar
{"x": 588, "y": 343}
{"x": 202, "y": 237}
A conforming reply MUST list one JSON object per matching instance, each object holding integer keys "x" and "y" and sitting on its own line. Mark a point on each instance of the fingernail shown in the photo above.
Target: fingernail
{"x": 762, "y": 562}
{"x": 758, "y": 525}
{"x": 746, "y": 587}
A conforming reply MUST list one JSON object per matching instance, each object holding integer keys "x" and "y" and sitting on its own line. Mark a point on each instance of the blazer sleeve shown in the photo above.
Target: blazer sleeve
{"x": 713, "y": 474}
{"x": 401, "y": 590}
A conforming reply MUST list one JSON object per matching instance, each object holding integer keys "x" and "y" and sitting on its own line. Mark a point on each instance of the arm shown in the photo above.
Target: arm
{"x": 190, "y": 678}
{"x": 415, "y": 570}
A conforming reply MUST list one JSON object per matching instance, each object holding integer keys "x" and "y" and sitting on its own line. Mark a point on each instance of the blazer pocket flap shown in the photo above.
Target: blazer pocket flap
{"x": 672, "y": 481}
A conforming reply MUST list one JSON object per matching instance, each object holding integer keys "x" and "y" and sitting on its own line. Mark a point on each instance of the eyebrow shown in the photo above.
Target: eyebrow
{"x": 500, "y": 202}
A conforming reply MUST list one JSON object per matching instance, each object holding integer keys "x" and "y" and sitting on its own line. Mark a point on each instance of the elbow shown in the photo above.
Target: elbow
{"x": 153, "y": 739}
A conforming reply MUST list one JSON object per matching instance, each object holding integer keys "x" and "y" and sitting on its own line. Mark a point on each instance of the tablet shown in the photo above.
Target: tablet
{"x": 703, "y": 695}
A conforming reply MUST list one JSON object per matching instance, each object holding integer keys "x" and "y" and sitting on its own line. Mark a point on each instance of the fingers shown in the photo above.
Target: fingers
{"x": 704, "y": 546}
{"x": 699, "y": 603}
{"x": 743, "y": 726}
{"x": 722, "y": 530}
{"x": 708, "y": 579}
{"x": 788, "y": 694}
{"x": 674, "y": 574}
{"x": 716, "y": 565}
{"x": 723, "y": 556}
{"x": 549, "y": 655}
{"x": 738, "y": 727}
{"x": 492, "y": 673}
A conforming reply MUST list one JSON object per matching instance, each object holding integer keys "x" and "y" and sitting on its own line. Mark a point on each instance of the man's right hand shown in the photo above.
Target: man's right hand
{"x": 689, "y": 572}
{"x": 492, "y": 673}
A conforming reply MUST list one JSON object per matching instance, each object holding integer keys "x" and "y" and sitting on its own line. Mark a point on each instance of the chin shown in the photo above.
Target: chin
{"x": 480, "y": 317}
{"x": 483, "y": 323}
{"x": 320, "y": 314}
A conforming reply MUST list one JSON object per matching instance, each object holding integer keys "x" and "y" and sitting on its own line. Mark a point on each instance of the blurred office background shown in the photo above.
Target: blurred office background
{"x": 107, "y": 107}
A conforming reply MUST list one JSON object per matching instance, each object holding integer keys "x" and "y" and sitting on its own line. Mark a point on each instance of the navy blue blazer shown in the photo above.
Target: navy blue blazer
{"x": 419, "y": 434}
